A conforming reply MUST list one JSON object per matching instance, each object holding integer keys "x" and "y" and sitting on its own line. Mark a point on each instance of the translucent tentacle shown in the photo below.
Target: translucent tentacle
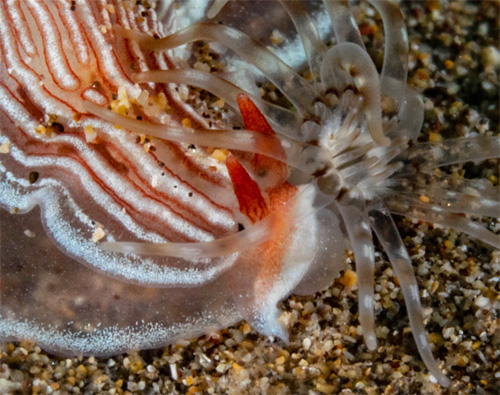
{"x": 431, "y": 155}
{"x": 395, "y": 68}
{"x": 307, "y": 158}
{"x": 388, "y": 235}
{"x": 311, "y": 40}
{"x": 332, "y": 79}
{"x": 371, "y": 158}
{"x": 470, "y": 201}
{"x": 162, "y": 9}
{"x": 293, "y": 86}
{"x": 343, "y": 144}
{"x": 343, "y": 23}
{"x": 353, "y": 59}
{"x": 215, "y": 8}
{"x": 411, "y": 115}
{"x": 387, "y": 154}
{"x": 350, "y": 155}
{"x": 248, "y": 238}
{"x": 285, "y": 119}
{"x": 253, "y": 235}
{"x": 369, "y": 184}
{"x": 451, "y": 182}
{"x": 415, "y": 208}
{"x": 477, "y": 187}
{"x": 369, "y": 173}
{"x": 358, "y": 170}
{"x": 360, "y": 236}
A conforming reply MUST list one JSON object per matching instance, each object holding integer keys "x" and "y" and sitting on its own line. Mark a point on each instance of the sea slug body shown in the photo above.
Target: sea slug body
{"x": 184, "y": 202}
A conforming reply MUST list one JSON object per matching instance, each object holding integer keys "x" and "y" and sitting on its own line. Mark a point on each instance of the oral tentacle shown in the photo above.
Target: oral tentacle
{"x": 375, "y": 183}
{"x": 358, "y": 171}
{"x": 343, "y": 160}
{"x": 175, "y": 193}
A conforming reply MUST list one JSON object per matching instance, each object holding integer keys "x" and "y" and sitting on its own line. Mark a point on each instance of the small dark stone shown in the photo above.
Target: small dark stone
{"x": 57, "y": 127}
{"x": 96, "y": 85}
{"x": 33, "y": 177}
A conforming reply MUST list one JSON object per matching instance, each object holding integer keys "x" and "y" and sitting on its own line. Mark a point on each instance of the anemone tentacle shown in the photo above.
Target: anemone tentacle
{"x": 237, "y": 242}
{"x": 215, "y": 8}
{"x": 395, "y": 69}
{"x": 415, "y": 208}
{"x": 343, "y": 22}
{"x": 469, "y": 202}
{"x": 452, "y": 151}
{"x": 294, "y": 87}
{"x": 308, "y": 33}
{"x": 410, "y": 117}
{"x": 283, "y": 119}
{"x": 350, "y": 58}
{"x": 292, "y": 152}
{"x": 248, "y": 238}
{"x": 388, "y": 235}
{"x": 358, "y": 228}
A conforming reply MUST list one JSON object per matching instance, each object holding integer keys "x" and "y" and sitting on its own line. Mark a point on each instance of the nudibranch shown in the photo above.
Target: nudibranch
{"x": 174, "y": 216}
